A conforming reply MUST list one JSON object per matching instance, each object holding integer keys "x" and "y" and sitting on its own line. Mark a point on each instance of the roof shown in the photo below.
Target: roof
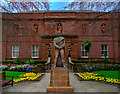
{"x": 61, "y": 11}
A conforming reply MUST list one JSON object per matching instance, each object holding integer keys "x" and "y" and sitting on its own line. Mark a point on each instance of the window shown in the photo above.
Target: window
{"x": 35, "y": 51}
{"x": 104, "y": 50}
{"x": 84, "y": 53}
{"x": 15, "y": 51}
{"x": 83, "y": 28}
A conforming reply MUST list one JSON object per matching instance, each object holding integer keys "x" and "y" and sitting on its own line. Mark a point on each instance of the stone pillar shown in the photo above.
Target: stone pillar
{"x": 59, "y": 80}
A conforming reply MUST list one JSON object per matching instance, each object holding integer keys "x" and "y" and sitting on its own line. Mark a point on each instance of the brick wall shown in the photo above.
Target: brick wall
{"x": 18, "y": 29}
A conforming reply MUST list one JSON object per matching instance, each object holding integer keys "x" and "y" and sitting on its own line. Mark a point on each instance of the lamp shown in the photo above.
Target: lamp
{"x": 69, "y": 48}
{"x": 49, "y": 49}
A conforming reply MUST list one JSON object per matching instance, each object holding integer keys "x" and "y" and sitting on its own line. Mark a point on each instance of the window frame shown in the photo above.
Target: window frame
{"x": 84, "y": 53}
{"x": 15, "y": 51}
{"x": 83, "y": 28}
{"x": 35, "y": 51}
{"x": 104, "y": 50}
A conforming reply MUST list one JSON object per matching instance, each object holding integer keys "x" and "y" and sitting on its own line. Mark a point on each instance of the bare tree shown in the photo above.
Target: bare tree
{"x": 93, "y": 6}
{"x": 104, "y": 7}
{"x": 21, "y": 7}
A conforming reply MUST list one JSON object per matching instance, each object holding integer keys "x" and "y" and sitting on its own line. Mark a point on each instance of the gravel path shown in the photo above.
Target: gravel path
{"x": 79, "y": 86}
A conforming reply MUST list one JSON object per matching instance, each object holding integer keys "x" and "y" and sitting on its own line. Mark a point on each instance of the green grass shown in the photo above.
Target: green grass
{"x": 14, "y": 74}
{"x": 109, "y": 74}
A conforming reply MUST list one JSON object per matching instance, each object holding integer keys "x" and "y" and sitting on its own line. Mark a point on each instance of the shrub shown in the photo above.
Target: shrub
{"x": 86, "y": 61}
{"x": 23, "y": 62}
{"x": 40, "y": 61}
{"x": 7, "y": 62}
{"x": 18, "y": 60}
{"x": 53, "y": 36}
{"x": 95, "y": 61}
{"x": 105, "y": 60}
{"x": 29, "y": 61}
{"x": 87, "y": 44}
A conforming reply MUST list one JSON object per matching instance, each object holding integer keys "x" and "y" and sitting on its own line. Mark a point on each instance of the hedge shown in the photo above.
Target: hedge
{"x": 7, "y": 62}
{"x": 39, "y": 61}
{"x": 53, "y": 36}
{"x": 98, "y": 61}
{"x": 23, "y": 62}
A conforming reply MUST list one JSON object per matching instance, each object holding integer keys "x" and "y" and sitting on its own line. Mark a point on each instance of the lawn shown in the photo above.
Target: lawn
{"x": 109, "y": 74}
{"x": 22, "y": 76}
{"x": 14, "y": 74}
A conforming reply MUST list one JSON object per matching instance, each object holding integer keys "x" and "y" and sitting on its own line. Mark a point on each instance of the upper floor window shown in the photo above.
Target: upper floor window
{"x": 103, "y": 26}
{"x": 84, "y": 53}
{"x": 35, "y": 51}
{"x": 15, "y": 51}
{"x": 35, "y": 28}
{"x": 104, "y": 50}
{"x": 83, "y": 28}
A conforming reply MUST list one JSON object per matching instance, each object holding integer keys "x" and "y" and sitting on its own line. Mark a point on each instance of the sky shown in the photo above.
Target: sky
{"x": 59, "y": 6}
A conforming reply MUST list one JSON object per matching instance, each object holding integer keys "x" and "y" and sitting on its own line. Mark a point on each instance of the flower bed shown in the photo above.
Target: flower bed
{"x": 79, "y": 67}
{"x": 21, "y": 76}
{"x": 17, "y": 67}
{"x": 28, "y": 76}
{"x": 96, "y": 77}
{"x": 3, "y": 67}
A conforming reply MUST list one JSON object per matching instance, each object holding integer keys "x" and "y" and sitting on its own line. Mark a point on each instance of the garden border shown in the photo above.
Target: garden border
{"x": 38, "y": 79}
{"x": 80, "y": 79}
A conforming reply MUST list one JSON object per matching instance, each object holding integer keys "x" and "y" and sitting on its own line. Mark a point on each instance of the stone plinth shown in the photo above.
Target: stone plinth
{"x": 59, "y": 80}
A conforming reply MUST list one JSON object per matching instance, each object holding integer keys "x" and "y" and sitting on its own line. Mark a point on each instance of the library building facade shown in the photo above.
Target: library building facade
{"x": 30, "y": 34}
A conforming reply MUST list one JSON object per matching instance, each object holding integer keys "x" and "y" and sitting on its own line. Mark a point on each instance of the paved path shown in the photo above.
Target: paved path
{"x": 79, "y": 86}
{"x": 30, "y": 86}
{"x": 90, "y": 86}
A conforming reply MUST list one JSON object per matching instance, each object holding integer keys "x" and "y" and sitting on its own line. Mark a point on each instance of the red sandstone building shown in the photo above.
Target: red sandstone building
{"x": 29, "y": 34}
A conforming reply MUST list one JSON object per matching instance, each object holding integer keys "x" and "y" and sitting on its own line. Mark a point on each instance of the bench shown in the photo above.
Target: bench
{"x": 6, "y": 81}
